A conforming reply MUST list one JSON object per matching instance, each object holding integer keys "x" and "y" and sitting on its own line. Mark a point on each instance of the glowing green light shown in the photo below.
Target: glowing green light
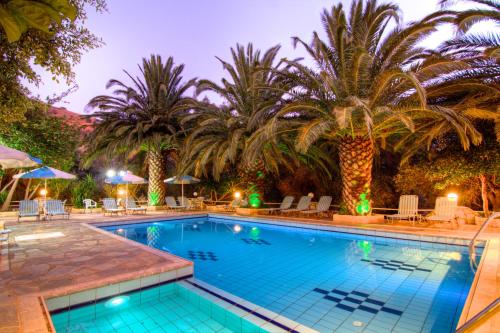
{"x": 254, "y": 233}
{"x": 366, "y": 247}
{"x": 363, "y": 206}
{"x": 154, "y": 199}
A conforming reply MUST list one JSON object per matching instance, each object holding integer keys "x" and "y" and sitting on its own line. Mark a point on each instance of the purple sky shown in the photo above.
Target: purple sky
{"x": 194, "y": 32}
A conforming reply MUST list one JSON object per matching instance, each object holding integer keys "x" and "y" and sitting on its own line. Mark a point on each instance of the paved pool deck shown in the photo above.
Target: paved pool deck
{"x": 85, "y": 257}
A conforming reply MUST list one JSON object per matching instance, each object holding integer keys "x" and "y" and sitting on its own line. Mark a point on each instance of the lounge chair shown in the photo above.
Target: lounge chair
{"x": 183, "y": 201}
{"x": 444, "y": 211}
{"x": 407, "y": 209}
{"x": 89, "y": 204}
{"x": 322, "y": 207}
{"x": 285, "y": 204}
{"x": 110, "y": 206}
{"x": 131, "y": 206}
{"x": 172, "y": 204}
{"x": 55, "y": 208}
{"x": 4, "y": 233}
{"x": 302, "y": 205}
{"x": 28, "y": 208}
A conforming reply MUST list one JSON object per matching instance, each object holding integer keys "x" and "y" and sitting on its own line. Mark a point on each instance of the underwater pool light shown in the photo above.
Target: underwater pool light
{"x": 237, "y": 228}
{"x": 116, "y": 301}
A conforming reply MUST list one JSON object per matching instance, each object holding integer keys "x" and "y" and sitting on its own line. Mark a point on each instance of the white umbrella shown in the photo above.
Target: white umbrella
{"x": 11, "y": 159}
{"x": 182, "y": 180}
{"x": 125, "y": 178}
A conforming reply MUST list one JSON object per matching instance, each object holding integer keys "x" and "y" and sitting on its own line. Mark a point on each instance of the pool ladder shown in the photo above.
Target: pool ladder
{"x": 472, "y": 244}
{"x": 493, "y": 307}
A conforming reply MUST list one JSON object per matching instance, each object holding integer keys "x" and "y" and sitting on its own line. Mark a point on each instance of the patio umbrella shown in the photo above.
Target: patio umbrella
{"x": 45, "y": 173}
{"x": 11, "y": 159}
{"x": 125, "y": 178}
{"x": 182, "y": 180}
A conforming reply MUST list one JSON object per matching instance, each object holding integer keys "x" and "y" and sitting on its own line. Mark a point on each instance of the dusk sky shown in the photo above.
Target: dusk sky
{"x": 194, "y": 32}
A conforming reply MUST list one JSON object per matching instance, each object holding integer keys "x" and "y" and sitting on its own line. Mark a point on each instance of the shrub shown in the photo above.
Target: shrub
{"x": 84, "y": 189}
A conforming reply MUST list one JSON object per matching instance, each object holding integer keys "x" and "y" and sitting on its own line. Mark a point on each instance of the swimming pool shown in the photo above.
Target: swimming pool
{"x": 328, "y": 281}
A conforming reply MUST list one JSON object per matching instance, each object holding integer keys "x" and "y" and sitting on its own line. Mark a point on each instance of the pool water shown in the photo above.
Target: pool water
{"x": 325, "y": 280}
{"x": 170, "y": 308}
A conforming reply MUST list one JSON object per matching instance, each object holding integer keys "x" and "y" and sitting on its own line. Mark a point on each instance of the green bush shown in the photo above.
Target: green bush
{"x": 3, "y": 196}
{"x": 84, "y": 189}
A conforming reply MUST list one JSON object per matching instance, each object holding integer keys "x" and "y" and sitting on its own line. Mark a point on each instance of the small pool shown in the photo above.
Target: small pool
{"x": 171, "y": 308}
{"x": 329, "y": 281}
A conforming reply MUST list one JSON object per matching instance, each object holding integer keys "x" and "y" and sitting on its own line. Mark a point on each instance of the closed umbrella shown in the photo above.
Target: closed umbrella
{"x": 182, "y": 180}
{"x": 125, "y": 178}
{"x": 45, "y": 173}
{"x": 12, "y": 159}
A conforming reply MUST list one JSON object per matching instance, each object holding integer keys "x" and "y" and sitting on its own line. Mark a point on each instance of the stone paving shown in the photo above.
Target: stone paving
{"x": 82, "y": 258}
{"x": 86, "y": 257}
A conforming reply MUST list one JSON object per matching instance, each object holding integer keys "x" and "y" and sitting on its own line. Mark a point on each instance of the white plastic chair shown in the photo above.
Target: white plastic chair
{"x": 89, "y": 204}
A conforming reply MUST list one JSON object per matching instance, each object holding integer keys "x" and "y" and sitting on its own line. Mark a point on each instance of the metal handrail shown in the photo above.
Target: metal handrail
{"x": 472, "y": 244}
{"x": 483, "y": 314}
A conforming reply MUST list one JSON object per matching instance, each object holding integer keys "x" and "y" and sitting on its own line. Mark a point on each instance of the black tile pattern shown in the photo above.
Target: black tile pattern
{"x": 394, "y": 265}
{"x": 355, "y": 300}
{"x": 258, "y": 241}
{"x": 202, "y": 255}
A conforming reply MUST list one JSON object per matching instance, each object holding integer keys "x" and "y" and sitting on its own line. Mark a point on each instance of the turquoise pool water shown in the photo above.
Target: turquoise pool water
{"x": 328, "y": 281}
{"x": 170, "y": 308}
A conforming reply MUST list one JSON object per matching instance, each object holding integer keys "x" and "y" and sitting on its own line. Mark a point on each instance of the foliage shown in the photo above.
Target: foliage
{"x": 85, "y": 188}
{"x": 16, "y": 17}
{"x": 3, "y": 196}
{"x": 46, "y": 137}
{"x": 142, "y": 116}
{"x": 56, "y": 53}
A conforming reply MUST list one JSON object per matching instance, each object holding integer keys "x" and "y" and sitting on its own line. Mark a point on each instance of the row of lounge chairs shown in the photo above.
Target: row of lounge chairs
{"x": 110, "y": 206}
{"x": 444, "y": 210}
{"x": 302, "y": 206}
{"x": 51, "y": 208}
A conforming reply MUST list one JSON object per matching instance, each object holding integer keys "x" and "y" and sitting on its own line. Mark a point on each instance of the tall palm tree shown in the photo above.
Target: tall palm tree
{"x": 142, "y": 115}
{"x": 251, "y": 96}
{"x": 366, "y": 89}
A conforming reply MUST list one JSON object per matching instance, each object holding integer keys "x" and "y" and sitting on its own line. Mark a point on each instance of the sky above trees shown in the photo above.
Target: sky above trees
{"x": 194, "y": 32}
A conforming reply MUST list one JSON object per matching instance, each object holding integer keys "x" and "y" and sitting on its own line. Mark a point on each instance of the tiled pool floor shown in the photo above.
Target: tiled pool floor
{"x": 326, "y": 281}
{"x": 170, "y": 308}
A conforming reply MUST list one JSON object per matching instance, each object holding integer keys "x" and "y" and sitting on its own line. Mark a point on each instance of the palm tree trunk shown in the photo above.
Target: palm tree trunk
{"x": 356, "y": 159}
{"x": 156, "y": 169}
{"x": 484, "y": 194}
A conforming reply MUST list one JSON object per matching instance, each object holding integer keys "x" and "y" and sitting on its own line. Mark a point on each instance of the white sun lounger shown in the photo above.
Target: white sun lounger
{"x": 131, "y": 206}
{"x": 109, "y": 206}
{"x": 172, "y": 204}
{"x": 55, "y": 208}
{"x": 444, "y": 211}
{"x": 302, "y": 205}
{"x": 28, "y": 208}
{"x": 407, "y": 209}
{"x": 285, "y": 204}
{"x": 323, "y": 206}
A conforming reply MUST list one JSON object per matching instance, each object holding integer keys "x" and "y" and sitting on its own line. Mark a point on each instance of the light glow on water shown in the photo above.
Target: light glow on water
{"x": 117, "y": 301}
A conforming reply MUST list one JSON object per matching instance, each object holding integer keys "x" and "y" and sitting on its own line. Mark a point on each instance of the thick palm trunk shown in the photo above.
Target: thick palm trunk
{"x": 156, "y": 169}
{"x": 356, "y": 159}
{"x": 484, "y": 194}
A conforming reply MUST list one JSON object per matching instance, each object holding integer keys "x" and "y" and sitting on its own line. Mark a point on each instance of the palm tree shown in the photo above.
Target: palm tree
{"x": 219, "y": 134}
{"x": 367, "y": 89}
{"x": 143, "y": 115}
{"x": 472, "y": 44}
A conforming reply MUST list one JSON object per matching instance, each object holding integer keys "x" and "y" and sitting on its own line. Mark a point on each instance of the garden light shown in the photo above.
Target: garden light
{"x": 452, "y": 196}
{"x": 44, "y": 192}
{"x": 122, "y": 173}
{"x": 195, "y": 194}
{"x": 110, "y": 173}
{"x": 310, "y": 195}
{"x": 121, "y": 192}
{"x": 237, "y": 194}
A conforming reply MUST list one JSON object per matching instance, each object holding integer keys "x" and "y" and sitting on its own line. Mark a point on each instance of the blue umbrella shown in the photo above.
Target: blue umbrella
{"x": 45, "y": 173}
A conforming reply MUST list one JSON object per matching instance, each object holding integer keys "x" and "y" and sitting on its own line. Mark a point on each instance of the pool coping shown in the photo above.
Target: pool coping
{"x": 480, "y": 282}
